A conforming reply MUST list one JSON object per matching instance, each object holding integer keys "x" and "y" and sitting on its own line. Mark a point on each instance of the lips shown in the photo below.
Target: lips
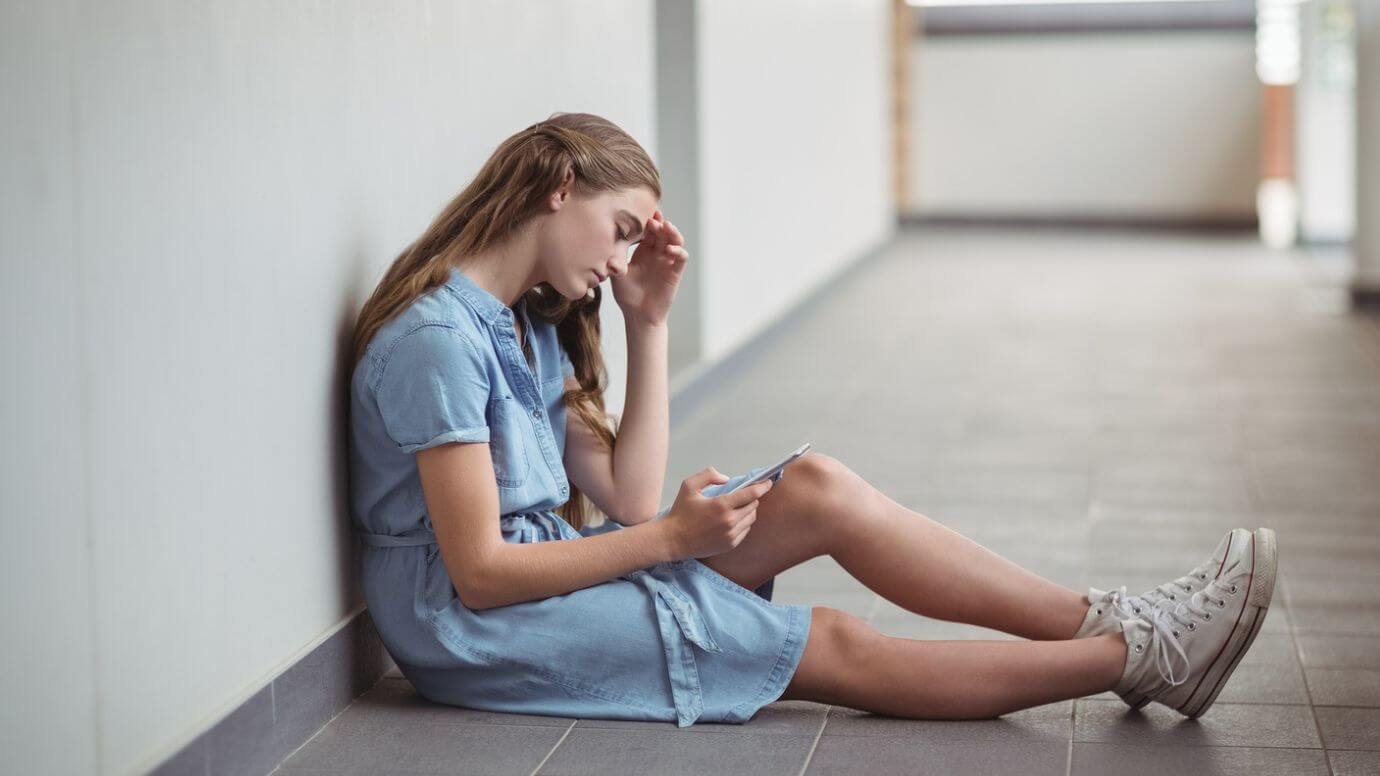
{"x": 596, "y": 274}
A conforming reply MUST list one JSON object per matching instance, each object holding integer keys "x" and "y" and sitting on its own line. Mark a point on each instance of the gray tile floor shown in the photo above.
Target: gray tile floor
{"x": 1099, "y": 407}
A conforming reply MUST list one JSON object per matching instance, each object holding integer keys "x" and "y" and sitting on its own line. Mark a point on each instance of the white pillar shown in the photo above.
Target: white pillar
{"x": 1366, "y": 285}
{"x": 1325, "y": 124}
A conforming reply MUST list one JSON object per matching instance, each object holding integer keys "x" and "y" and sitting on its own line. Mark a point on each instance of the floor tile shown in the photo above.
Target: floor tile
{"x": 1131, "y": 760}
{"x": 1349, "y": 728}
{"x": 1224, "y": 724}
{"x": 602, "y": 752}
{"x": 848, "y": 755}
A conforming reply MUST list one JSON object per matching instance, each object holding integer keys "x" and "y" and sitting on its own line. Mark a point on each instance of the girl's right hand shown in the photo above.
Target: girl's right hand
{"x": 700, "y": 527}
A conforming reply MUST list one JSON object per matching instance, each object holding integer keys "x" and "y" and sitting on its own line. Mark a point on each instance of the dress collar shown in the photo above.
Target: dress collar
{"x": 485, "y": 303}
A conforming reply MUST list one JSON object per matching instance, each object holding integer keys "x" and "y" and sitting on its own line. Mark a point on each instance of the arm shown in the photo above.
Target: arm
{"x": 461, "y": 495}
{"x": 639, "y": 457}
{"x": 624, "y": 485}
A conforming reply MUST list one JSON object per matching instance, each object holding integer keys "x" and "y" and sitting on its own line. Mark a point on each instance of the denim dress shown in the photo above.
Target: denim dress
{"x": 673, "y": 641}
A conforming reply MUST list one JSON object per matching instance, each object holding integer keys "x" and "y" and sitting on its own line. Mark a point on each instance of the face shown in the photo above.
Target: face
{"x": 584, "y": 240}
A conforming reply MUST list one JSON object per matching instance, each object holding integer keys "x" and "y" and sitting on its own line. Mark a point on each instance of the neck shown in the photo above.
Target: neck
{"x": 507, "y": 271}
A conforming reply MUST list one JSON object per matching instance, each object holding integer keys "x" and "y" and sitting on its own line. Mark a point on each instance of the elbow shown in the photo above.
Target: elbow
{"x": 473, "y": 595}
{"x": 470, "y": 600}
{"x": 636, "y": 515}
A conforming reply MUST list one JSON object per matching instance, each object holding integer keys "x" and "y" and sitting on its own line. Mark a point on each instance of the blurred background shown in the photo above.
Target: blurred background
{"x": 958, "y": 245}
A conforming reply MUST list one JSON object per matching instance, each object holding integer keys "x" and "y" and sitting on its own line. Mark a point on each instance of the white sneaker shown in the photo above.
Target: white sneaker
{"x": 1109, "y": 607}
{"x": 1182, "y": 653}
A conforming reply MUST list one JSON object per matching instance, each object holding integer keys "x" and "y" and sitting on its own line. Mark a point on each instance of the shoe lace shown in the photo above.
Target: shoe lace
{"x": 1172, "y": 590}
{"x": 1165, "y": 614}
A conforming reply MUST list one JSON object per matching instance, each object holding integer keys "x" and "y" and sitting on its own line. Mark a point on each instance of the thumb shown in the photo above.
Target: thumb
{"x": 717, "y": 475}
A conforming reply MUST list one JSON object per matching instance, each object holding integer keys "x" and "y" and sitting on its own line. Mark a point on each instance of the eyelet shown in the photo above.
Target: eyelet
{"x": 1172, "y": 598}
{"x": 1222, "y": 603}
{"x": 1140, "y": 648}
{"x": 1233, "y": 588}
{"x": 1207, "y": 615}
{"x": 1099, "y": 611}
{"x": 1193, "y": 626}
{"x": 1137, "y": 608}
{"x": 1176, "y": 634}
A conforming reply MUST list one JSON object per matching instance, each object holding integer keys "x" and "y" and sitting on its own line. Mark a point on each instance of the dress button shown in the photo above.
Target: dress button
{"x": 536, "y": 413}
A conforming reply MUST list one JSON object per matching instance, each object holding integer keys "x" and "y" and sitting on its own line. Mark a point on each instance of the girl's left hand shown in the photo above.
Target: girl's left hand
{"x": 646, "y": 290}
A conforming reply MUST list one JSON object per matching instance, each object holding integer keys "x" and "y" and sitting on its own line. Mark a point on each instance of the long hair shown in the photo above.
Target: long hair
{"x": 509, "y": 190}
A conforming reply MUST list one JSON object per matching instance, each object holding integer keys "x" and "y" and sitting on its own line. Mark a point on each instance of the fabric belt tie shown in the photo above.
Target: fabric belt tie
{"x": 426, "y": 535}
{"x": 681, "y": 625}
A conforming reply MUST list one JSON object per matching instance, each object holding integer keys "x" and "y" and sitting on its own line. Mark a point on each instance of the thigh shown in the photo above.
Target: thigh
{"x": 801, "y": 517}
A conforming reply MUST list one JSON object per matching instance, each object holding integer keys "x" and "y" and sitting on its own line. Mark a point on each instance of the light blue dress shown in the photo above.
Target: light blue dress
{"x": 674, "y": 641}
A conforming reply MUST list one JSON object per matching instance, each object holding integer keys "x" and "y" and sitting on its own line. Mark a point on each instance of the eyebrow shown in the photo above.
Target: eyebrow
{"x": 636, "y": 222}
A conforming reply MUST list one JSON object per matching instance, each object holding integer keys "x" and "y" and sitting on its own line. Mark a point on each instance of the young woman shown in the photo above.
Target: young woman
{"x": 478, "y": 428}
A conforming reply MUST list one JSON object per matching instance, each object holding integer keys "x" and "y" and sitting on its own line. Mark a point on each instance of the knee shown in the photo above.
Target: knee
{"x": 825, "y": 474}
{"x": 837, "y": 641}
{"x": 829, "y": 489}
{"x": 839, "y": 632}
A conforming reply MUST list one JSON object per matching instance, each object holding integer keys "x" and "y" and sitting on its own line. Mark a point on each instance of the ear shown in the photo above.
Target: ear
{"x": 562, "y": 193}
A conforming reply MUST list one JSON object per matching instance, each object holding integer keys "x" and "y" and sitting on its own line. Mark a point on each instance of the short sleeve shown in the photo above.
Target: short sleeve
{"x": 433, "y": 389}
{"x": 567, "y": 368}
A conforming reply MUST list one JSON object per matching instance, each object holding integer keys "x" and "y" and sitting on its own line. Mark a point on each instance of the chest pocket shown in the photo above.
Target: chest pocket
{"x": 508, "y": 441}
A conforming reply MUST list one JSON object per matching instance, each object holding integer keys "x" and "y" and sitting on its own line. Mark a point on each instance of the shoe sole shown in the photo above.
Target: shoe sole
{"x": 1264, "y": 559}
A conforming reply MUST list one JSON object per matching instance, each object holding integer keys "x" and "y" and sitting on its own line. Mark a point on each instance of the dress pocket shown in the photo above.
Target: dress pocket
{"x": 507, "y": 445}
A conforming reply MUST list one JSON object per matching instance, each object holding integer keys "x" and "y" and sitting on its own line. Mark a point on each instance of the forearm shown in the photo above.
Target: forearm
{"x": 639, "y": 454}
{"x": 527, "y": 572}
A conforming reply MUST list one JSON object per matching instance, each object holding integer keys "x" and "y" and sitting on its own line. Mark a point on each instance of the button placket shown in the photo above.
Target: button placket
{"x": 518, "y": 362}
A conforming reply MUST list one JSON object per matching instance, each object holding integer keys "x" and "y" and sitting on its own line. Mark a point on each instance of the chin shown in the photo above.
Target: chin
{"x": 575, "y": 293}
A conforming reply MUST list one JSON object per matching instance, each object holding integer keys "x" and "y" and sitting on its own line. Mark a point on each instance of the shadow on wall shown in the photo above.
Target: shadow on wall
{"x": 359, "y": 284}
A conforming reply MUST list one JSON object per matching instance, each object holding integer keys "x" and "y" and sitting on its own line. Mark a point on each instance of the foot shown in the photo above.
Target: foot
{"x": 1107, "y": 608}
{"x": 1181, "y": 653}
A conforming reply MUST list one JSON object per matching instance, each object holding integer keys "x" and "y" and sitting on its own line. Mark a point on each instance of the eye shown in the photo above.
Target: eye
{"x": 619, "y": 235}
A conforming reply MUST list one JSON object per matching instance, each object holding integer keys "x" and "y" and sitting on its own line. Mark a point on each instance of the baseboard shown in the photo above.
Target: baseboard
{"x": 261, "y": 732}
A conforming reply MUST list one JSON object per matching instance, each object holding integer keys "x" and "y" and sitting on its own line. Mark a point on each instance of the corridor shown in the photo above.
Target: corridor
{"x": 1098, "y": 406}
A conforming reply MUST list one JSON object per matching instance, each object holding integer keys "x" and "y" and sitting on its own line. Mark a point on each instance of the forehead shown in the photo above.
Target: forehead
{"x": 637, "y": 200}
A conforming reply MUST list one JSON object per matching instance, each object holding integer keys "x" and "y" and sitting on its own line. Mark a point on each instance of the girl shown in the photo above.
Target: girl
{"x": 478, "y": 429}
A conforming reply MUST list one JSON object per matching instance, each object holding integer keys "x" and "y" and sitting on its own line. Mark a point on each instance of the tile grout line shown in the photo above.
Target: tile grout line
{"x": 557, "y": 745}
{"x": 319, "y": 730}
{"x": 1298, "y": 652}
{"x": 871, "y": 615}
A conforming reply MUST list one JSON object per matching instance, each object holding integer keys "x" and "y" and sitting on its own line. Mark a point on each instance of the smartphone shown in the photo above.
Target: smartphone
{"x": 775, "y": 468}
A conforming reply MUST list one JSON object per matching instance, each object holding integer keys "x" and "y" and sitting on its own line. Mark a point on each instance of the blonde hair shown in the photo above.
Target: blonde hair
{"x": 510, "y": 189}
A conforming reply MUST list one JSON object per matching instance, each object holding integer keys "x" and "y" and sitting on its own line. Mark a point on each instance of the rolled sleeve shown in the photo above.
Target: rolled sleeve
{"x": 432, "y": 388}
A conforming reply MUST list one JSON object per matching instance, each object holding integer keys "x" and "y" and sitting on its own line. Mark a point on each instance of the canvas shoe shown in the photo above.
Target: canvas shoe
{"x": 1181, "y": 653}
{"x": 1109, "y": 607}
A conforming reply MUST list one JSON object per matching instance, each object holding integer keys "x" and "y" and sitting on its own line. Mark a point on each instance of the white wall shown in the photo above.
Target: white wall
{"x": 196, "y": 199}
{"x": 796, "y": 153}
{"x": 1136, "y": 125}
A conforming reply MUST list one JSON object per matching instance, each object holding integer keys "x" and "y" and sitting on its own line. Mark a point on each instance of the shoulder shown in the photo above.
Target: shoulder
{"x": 430, "y": 331}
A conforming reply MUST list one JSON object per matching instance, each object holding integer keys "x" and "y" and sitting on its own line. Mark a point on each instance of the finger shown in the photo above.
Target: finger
{"x": 655, "y": 235}
{"x": 673, "y": 234}
{"x": 737, "y": 499}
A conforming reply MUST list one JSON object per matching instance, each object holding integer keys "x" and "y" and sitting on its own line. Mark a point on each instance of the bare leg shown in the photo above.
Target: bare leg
{"x": 933, "y": 570}
{"x": 821, "y": 506}
{"x": 848, "y": 663}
